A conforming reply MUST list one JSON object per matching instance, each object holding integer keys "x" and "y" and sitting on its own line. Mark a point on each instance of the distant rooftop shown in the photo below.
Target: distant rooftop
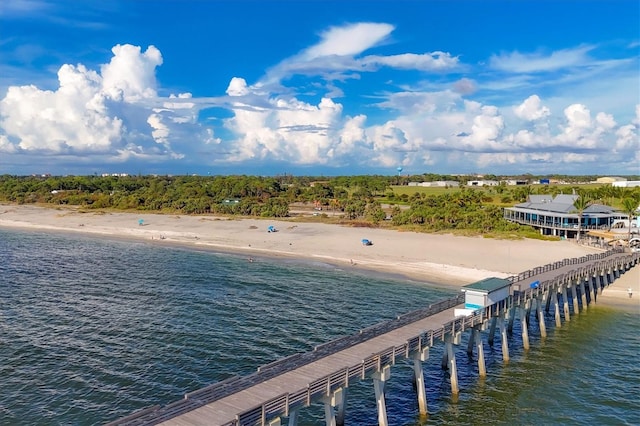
{"x": 562, "y": 203}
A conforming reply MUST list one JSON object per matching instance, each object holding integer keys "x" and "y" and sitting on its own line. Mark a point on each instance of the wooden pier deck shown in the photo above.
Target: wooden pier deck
{"x": 301, "y": 378}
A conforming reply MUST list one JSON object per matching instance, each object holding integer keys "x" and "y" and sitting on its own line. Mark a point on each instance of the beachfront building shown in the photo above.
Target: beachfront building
{"x": 558, "y": 216}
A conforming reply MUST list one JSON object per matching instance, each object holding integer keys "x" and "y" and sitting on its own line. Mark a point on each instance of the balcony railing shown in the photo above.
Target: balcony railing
{"x": 557, "y": 225}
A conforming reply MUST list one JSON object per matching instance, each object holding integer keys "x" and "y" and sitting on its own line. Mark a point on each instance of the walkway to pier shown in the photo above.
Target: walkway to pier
{"x": 298, "y": 380}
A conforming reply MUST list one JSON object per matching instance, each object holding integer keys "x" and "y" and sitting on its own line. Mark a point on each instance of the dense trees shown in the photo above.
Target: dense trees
{"x": 351, "y": 198}
{"x": 460, "y": 210}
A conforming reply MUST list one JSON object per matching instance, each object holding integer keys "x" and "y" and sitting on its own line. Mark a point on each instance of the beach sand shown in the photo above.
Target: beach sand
{"x": 443, "y": 260}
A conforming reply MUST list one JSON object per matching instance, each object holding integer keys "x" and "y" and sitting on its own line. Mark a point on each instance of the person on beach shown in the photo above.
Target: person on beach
{"x": 630, "y": 291}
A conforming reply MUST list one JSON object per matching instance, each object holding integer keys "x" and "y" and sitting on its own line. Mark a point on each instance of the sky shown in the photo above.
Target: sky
{"x": 319, "y": 87}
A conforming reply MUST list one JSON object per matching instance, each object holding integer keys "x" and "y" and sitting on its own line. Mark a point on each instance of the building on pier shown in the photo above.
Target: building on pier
{"x": 485, "y": 292}
{"x": 557, "y": 215}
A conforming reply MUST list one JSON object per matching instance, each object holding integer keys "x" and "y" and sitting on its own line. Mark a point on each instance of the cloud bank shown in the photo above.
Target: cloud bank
{"x": 114, "y": 114}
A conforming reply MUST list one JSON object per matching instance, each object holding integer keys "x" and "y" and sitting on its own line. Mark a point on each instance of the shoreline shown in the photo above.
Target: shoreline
{"x": 438, "y": 260}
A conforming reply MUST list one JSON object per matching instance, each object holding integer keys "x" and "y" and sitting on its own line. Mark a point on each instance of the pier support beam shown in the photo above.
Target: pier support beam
{"x": 334, "y": 405}
{"x": 421, "y": 391}
{"x": 565, "y": 303}
{"x": 449, "y": 341}
{"x": 341, "y": 402}
{"x": 544, "y": 299}
{"x": 574, "y": 297}
{"x": 524, "y": 326}
{"x": 379, "y": 380}
{"x": 492, "y": 331}
{"x": 556, "y": 307}
{"x": 293, "y": 418}
{"x": 541, "y": 324}
{"x": 594, "y": 287}
{"x": 591, "y": 291}
{"x": 476, "y": 339}
{"x": 503, "y": 337}
{"x": 471, "y": 343}
{"x": 549, "y": 298}
{"x": 329, "y": 414}
{"x": 511, "y": 316}
{"x": 583, "y": 294}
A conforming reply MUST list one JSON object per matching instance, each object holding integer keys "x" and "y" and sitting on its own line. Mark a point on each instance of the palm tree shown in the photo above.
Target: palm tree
{"x": 579, "y": 206}
{"x": 629, "y": 206}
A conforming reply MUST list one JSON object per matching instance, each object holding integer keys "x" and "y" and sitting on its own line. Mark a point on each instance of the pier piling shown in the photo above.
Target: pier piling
{"x": 379, "y": 380}
{"x": 418, "y": 359}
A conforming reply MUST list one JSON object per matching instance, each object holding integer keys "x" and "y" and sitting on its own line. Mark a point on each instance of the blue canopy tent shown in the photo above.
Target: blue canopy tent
{"x": 272, "y": 228}
{"x": 366, "y": 242}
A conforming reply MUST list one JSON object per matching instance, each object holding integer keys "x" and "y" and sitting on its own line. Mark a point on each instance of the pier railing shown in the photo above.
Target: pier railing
{"x": 577, "y": 273}
{"x": 562, "y": 263}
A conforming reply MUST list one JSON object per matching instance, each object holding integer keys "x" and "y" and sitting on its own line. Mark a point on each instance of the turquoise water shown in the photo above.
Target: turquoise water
{"x": 93, "y": 329}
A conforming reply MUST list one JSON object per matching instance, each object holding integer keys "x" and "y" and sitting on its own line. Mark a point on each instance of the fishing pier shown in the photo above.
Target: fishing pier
{"x": 276, "y": 392}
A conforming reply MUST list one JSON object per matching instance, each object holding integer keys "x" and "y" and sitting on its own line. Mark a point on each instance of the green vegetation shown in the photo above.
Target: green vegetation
{"x": 354, "y": 200}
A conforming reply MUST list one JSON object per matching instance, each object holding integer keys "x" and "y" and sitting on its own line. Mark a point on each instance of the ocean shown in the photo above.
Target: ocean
{"x": 92, "y": 329}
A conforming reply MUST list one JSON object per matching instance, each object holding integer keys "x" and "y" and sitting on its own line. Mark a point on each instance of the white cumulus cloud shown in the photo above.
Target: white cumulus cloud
{"x": 237, "y": 87}
{"x": 111, "y": 115}
{"x": 532, "y": 109}
{"x": 292, "y": 130}
{"x": 131, "y": 73}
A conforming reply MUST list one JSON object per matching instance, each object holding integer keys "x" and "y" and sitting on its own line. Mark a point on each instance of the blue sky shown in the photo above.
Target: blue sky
{"x": 319, "y": 87}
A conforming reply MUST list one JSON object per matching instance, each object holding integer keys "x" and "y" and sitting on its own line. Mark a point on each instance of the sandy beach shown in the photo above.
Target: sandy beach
{"x": 437, "y": 258}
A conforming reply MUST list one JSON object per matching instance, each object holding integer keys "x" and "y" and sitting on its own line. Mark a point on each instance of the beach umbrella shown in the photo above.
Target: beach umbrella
{"x": 140, "y": 222}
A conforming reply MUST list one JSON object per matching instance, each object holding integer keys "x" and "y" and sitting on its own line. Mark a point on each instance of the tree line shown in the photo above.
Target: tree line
{"x": 353, "y": 198}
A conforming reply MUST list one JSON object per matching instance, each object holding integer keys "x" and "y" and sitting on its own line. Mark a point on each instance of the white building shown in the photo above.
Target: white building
{"x": 626, "y": 183}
